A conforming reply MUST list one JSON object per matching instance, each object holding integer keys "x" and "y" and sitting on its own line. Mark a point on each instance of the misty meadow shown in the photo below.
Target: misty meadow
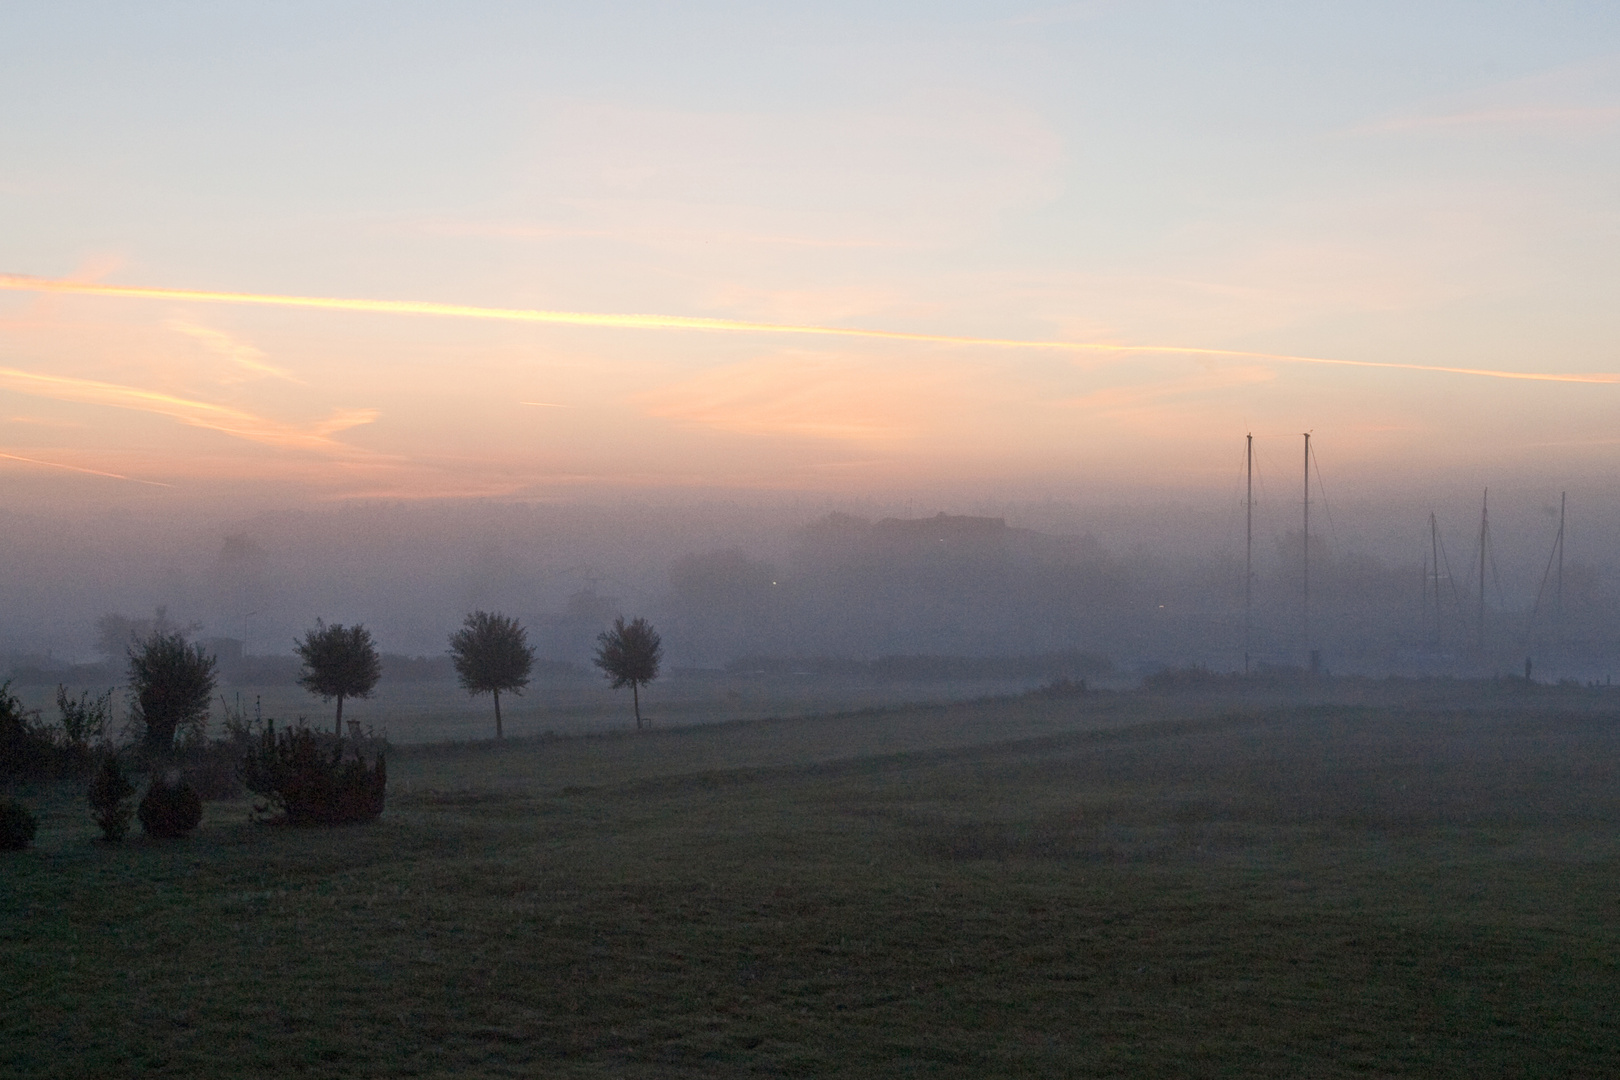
{"x": 865, "y": 815}
{"x": 1359, "y": 876}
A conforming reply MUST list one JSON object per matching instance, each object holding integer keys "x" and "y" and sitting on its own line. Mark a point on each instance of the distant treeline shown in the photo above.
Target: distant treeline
{"x": 1070, "y": 664}
{"x": 38, "y": 671}
{"x": 269, "y": 670}
{"x": 235, "y": 669}
{"x": 1201, "y": 680}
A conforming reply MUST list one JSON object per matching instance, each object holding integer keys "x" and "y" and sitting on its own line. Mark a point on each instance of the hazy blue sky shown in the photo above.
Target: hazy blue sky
{"x": 1395, "y": 184}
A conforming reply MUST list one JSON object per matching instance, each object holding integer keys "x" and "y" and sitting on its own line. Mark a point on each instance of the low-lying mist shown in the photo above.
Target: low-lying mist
{"x": 790, "y": 587}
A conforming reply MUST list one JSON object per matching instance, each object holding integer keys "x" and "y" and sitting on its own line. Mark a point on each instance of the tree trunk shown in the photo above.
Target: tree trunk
{"x": 497, "y": 714}
{"x": 635, "y": 695}
{"x": 340, "y": 717}
{"x": 160, "y": 738}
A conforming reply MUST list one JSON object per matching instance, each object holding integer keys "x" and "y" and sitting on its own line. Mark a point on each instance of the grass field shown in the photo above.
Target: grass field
{"x": 1377, "y": 883}
{"x": 416, "y": 712}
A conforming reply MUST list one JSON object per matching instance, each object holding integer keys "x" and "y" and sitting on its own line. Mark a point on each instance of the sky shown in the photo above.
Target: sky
{"x": 1087, "y": 248}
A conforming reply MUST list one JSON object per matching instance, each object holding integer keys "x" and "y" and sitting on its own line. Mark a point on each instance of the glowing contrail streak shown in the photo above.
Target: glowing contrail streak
{"x": 80, "y": 469}
{"x": 23, "y": 283}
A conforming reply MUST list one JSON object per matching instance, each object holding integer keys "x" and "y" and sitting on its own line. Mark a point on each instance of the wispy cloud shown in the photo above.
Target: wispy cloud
{"x": 239, "y": 353}
{"x": 1581, "y": 97}
{"x": 649, "y": 235}
{"x": 201, "y": 414}
{"x": 80, "y": 469}
{"x": 1065, "y": 13}
{"x": 1116, "y": 399}
{"x": 935, "y": 165}
{"x": 1523, "y": 118}
{"x": 795, "y": 396}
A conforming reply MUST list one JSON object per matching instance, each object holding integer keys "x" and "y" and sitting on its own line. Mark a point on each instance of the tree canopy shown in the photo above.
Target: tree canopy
{"x": 173, "y": 682}
{"x": 339, "y": 662}
{"x": 491, "y": 653}
{"x": 629, "y": 655}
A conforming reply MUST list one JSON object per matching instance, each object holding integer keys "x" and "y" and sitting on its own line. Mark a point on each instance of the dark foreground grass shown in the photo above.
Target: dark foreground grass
{"x": 1029, "y": 888}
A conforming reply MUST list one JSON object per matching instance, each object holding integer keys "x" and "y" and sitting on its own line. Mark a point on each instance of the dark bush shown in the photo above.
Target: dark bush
{"x": 310, "y": 785}
{"x": 17, "y": 825}
{"x": 109, "y": 800}
{"x": 171, "y": 807}
{"x": 26, "y": 748}
{"x": 32, "y": 749}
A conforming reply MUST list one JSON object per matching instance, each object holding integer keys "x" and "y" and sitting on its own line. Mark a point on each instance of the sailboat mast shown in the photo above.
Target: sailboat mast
{"x": 1434, "y": 556}
{"x": 1558, "y": 632}
{"x": 1484, "y": 539}
{"x": 1306, "y": 550}
{"x": 1248, "y": 552}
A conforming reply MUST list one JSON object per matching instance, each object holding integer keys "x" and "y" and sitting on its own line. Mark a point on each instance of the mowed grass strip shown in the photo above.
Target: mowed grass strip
{"x": 1026, "y": 888}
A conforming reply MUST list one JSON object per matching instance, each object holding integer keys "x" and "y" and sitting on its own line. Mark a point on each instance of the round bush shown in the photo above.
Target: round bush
{"x": 171, "y": 807}
{"x": 17, "y": 825}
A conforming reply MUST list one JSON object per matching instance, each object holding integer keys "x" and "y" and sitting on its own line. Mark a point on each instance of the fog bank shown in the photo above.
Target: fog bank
{"x": 1142, "y": 586}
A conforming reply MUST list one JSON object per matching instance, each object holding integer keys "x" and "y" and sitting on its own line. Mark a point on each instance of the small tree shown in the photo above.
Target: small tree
{"x": 491, "y": 654}
{"x": 109, "y": 800}
{"x": 339, "y": 661}
{"x": 629, "y": 655}
{"x": 173, "y": 682}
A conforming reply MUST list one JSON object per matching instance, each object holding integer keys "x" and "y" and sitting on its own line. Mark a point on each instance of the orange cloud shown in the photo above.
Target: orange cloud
{"x": 202, "y": 414}
{"x": 812, "y": 397}
{"x": 1115, "y": 399}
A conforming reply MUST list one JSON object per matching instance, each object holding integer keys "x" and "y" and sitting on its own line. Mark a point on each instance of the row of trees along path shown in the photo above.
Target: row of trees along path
{"x": 491, "y": 652}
